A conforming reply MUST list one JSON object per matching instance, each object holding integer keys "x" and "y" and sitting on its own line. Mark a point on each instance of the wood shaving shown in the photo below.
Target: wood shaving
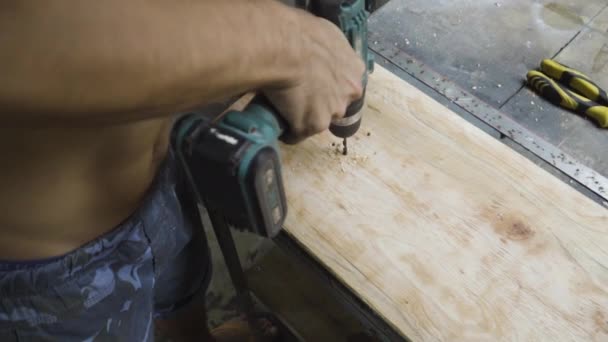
{"x": 342, "y": 166}
{"x": 350, "y": 162}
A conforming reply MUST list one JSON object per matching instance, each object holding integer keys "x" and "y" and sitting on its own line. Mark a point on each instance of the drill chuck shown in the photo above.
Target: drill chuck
{"x": 347, "y": 126}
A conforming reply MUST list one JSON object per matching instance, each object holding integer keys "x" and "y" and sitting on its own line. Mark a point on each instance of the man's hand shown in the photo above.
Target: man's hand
{"x": 327, "y": 81}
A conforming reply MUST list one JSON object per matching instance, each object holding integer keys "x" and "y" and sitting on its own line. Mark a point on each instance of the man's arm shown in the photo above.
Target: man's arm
{"x": 116, "y": 60}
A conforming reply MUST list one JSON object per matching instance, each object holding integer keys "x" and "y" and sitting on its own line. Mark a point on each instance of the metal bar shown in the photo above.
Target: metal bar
{"x": 567, "y": 164}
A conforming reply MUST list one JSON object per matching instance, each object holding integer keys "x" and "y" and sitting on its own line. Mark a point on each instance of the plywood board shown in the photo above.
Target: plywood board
{"x": 445, "y": 232}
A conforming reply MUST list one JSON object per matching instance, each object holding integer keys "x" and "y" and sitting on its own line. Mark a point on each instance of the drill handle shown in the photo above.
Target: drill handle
{"x": 261, "y": 102}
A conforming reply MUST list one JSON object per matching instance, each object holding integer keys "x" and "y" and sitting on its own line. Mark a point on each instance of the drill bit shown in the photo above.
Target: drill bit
{"x": 344, "y": 147}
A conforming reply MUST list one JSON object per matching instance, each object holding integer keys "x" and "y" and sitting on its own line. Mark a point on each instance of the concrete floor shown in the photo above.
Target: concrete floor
{"x": 486, "y": 46}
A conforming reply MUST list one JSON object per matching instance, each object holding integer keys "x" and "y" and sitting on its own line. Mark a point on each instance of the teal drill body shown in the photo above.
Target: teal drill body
{"x": 234, "y": 163}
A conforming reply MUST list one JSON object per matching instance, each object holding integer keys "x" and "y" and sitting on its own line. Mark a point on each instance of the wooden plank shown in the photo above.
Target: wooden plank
{"x": 446, "y": 232}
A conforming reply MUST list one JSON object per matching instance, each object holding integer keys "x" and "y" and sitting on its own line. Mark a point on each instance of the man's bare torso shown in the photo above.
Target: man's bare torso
{"x": 62, "y": 187}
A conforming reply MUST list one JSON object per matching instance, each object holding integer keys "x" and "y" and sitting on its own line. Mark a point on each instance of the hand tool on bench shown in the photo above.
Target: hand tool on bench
{"x": 570, "y": 89}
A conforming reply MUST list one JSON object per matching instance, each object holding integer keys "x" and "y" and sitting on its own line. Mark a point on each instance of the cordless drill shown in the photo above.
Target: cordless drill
{"x": 233, "y": 163}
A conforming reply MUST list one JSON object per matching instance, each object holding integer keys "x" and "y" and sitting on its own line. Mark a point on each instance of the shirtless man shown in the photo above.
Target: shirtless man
{"x": 94, "y": 244}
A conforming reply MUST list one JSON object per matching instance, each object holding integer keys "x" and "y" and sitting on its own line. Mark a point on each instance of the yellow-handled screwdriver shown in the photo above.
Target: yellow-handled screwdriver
{"x": 574, "y": 79}
{"x": 562, "y": 96}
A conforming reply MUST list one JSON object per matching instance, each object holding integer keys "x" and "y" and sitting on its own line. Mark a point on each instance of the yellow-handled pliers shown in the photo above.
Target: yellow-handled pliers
{"x": 570, "y": 89}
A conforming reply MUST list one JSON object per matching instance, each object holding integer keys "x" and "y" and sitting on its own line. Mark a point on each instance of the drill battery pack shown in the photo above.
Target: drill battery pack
{"x": 235, "y": 167}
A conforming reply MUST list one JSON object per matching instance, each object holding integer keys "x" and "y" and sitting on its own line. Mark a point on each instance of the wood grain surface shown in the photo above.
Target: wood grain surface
{"x": 444, "y": 231}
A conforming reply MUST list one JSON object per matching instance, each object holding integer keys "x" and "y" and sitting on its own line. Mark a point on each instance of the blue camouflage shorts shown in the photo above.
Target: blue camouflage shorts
{"x": 112, "y": 288}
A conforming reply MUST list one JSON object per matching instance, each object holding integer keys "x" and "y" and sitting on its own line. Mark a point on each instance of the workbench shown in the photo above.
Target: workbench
{"x": 471, "y": 57}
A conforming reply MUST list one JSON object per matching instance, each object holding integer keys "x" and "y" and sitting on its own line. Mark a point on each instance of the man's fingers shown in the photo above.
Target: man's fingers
{"x": 357, "y": 83}
{"x": 318, "y": 124}
{"x": 357, "y": 90}
{"x": 295, "y": 133}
